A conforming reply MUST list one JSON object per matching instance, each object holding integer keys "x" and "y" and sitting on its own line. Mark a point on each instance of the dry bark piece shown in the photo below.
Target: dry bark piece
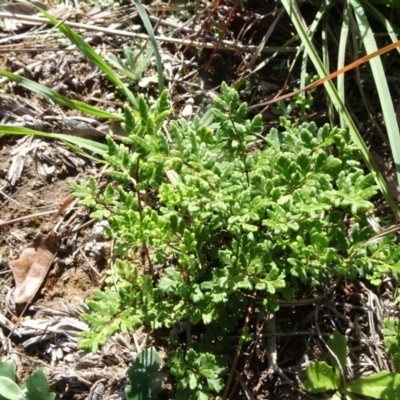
{"x": 31, "y": 268}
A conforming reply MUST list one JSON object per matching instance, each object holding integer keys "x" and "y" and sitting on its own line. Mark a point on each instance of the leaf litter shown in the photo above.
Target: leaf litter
{"x": 32, "y": 266}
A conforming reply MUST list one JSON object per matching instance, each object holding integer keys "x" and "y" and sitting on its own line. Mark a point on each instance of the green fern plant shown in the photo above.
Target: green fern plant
{"x": 198, "y": 374}
{"x": 219, "y": 223}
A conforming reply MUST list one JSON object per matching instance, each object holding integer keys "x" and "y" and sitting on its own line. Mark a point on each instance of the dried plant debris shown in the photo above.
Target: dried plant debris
{"x": 31, "y": 268}
{"x": 50, "y": 159}
{"x": 40, "y": 330}
{"x": 16, "y": 15}
{"x": 14, "y": 106}
{"x": 21, "y": 9}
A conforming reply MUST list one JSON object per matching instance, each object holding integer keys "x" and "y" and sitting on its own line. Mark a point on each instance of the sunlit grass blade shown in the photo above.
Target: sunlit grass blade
{"x": 344, "y": 34}
{"x": 89, "y": 52}
{"x": 90, "y": 145}
{"x": 311, "y": 31}
{"x": 58, "y": 98}
{"x": 326, "y": 62}
{"x": 381, "y": 84}
{"x": 293, "y": 12}
{"x": 149, "y": 28}
{"x": 377, "y": 15}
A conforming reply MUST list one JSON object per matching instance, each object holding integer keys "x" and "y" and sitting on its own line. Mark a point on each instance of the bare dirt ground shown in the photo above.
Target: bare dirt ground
{"x": 34, "y": 176}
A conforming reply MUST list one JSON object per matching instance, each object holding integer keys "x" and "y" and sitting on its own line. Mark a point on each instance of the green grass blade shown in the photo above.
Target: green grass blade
{"x": 344, "y": 34}
{"x": 149, "y": 28}
{"x": 89, "y": 52}
{"x": 293, "y": 12}
{"x": 381, "y": 83}
{"x": 90, "y": 145}
{"x": 311, "y": 31}
{"x": 391, "y": 29}
{"x": 58, "y": 98}
{"x": 325, "y": 61}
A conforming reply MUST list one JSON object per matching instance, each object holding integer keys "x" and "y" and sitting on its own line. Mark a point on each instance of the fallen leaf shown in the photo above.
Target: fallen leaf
{"x": 31, "y": 267}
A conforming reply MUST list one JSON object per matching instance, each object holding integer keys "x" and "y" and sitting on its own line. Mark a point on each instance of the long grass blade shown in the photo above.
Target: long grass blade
{"x": 344, "y": 34}
{"x": 311, "y": 31}
{"x": 149, "y": 28}
{"x": 392, "y": 30}
{"x": 294, "y": 13}
{"x": 89, "y": 52}
{"x": 90, "y": 145}
{"x": 58, "y": 98}
{"x": 381, "y": 83}
{"x": 325, "y": 61}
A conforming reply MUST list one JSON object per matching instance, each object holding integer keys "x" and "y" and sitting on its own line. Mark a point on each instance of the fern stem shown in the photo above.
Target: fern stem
{"x": 140, "y": 209}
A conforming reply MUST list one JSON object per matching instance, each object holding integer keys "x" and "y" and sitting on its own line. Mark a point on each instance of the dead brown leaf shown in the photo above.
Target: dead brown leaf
{"x": 31, "y": 268}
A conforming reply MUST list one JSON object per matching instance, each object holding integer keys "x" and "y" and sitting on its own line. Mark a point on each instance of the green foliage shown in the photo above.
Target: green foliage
{"x": 391, "y": 333}
{"x": 323, "y": 377}
{"x": 111, "y": 315}
{"x": 382, "y": 385}
{"x": 144, "y": 376}
{"x": 304, "y": 100}
{"x": 354, "y": 19}
{"x": 134, "y": 64}
{"x": 203, "y": 221}
{"x": 36, "y": 387}
{"x": 198, "y": 375}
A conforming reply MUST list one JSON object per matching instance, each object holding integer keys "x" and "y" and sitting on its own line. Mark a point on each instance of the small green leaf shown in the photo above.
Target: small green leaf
{"x": 9, "y": 389}
{"x": 7, "y": 369}
{"x": 193, "y": 382}
{"x": 215, "y": 384}
{"x": 38, "y": 387}
{"x": 202, "y": 396}
{"x": 337, "y": 343}
{"x": 321, "y": 378}
{"x": 382, "y": 385}
{"x": 176, "y": 362}
{"x": 144, "y": 376}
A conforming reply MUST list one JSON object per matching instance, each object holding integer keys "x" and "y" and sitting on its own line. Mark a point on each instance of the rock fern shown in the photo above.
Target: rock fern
{"x": 205, "y": 217}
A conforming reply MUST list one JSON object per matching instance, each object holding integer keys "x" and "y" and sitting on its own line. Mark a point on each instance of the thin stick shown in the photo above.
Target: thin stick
{"x": 12, "y": 221}
{"x": 237, "y": 354}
